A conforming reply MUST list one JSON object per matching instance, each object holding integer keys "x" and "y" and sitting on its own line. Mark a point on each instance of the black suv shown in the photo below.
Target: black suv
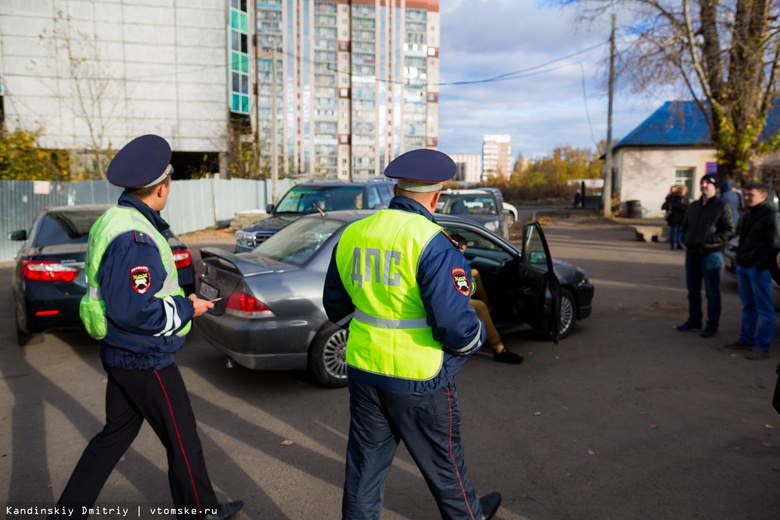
{"x": 310, "y": 197}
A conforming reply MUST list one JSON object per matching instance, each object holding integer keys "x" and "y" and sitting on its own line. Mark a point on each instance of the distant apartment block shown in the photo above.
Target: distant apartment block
{"x": 352, "y": 83}
{"x": 496, "y": 156}
{"x": 469, "y": 167}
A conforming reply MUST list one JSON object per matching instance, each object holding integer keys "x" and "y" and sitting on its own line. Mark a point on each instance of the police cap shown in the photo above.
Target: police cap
{"x": 421, "y": 170}
{"x": 140, "y": 163}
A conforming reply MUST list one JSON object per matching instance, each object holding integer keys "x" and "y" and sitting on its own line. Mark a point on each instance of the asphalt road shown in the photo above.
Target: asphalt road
{"x": 625, "y": 419}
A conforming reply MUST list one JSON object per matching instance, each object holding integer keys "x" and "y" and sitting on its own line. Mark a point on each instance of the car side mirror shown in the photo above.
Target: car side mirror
{"x": 537, "y": 257}
{"x": 269, "y": 208}
{"x": 17, "y": 235}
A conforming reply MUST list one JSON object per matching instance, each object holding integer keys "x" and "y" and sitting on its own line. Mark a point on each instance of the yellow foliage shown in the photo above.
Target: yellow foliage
{"x": 22, "y": 159}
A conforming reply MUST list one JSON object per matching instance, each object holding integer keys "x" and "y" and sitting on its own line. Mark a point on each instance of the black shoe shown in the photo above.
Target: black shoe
{"x": 506, "y": 356}
{"x": 708, "y": 332}
{"x": 757, "y": 354}
{"x": 680, "y": 247}
{"x": 490, "y": 503}
{"x": 739, "y": 345}
{"x": 225, "y": 511}
{"x": 688, "y": 326}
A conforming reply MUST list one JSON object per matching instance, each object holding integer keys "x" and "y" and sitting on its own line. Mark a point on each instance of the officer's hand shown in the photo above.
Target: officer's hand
{"x": 201, "y": 306}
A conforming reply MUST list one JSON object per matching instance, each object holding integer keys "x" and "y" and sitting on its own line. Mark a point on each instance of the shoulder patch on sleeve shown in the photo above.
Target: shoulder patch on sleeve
{"x": 140, "y": 278}
{"x": 461, "y": 281}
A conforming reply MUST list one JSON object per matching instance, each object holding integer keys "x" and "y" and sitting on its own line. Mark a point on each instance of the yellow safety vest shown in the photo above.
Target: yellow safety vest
{"x": 115, "y": 221}
{"x": 377, "y": 260}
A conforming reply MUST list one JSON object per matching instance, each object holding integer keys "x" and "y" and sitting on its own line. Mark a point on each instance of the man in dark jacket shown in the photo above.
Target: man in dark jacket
{"x": 411, "y": 330}
{"x": 136, "y": 309}
{"x": 708, "y": 224}
{"x": 759, "y": 243}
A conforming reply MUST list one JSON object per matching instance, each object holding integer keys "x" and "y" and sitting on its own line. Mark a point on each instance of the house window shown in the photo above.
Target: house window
{"x": 685, "y": 176}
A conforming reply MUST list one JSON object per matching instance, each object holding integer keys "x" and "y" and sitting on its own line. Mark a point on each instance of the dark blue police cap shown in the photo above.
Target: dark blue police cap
{"x": 141, "y": 162}
{"x": 421, "y": 170}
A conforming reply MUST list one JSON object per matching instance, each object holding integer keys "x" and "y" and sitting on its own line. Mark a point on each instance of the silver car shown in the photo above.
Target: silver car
{"x": 269, "y": 313}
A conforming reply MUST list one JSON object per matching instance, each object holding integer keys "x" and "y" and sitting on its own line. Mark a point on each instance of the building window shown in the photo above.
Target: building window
{"x": 684, "y": 177}
{"x": 238, "y": 57}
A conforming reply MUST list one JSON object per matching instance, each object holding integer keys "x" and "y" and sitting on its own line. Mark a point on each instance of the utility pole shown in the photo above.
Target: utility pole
{"x": 274, "y": 136}
{"x": 606, "y": 194}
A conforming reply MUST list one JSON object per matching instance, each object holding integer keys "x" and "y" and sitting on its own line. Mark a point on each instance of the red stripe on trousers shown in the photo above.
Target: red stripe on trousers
{"x": 181, "y": 444}
{"x": 454, "y": 463}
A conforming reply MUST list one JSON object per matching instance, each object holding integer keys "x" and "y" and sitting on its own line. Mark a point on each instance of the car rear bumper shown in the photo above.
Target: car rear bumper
{"x": 39, "y": 319}
{"x": 261, "y": 344}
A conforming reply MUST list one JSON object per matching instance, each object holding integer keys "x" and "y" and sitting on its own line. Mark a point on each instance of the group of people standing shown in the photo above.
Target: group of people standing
{"x": 706, "y": 227}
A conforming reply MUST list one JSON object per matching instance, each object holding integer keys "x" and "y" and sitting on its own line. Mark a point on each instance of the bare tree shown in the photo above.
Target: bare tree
{"x": 723, "y": 53}
{"x": 93, "y": 92}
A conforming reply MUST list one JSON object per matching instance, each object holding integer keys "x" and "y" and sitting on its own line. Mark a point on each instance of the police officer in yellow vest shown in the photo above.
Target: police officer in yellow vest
{"x": 403, "y": 286}
{"x": 137, "y": 310}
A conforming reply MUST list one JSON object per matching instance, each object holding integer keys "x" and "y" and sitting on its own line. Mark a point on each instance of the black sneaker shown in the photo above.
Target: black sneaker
{"x": 708, "y": 332}
{"x": 688, "y": 326}
{"x": 738, "y": 345}
{"x": 490, "y": 503}
{"x": 508, "y": 357}
{"x": 757, "y": 354}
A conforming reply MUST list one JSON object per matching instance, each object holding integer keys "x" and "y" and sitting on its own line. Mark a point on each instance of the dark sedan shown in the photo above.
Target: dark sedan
{"x": 312, "y": 197}
{"x": 270, "y": 316}
{"x": 48, "y": 280}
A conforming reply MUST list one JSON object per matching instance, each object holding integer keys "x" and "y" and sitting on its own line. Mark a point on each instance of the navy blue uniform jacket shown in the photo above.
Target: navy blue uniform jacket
{"x": 454, "y": 322}
{"x": 141, "y": 331}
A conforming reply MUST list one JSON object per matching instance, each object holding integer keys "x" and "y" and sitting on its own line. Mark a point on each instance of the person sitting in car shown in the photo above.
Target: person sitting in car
{"x": 481, "y": 304}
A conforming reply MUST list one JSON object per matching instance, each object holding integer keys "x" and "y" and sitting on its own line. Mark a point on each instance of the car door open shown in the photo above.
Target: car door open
{"x": 540, "y": 288}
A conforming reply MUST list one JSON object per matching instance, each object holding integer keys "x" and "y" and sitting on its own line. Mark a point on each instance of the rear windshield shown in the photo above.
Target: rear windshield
{"x": 66, "y": 227}
{"x": 306, "y": 199}
{"x": 462, "y": 204}
{"x": 297, "y": 243}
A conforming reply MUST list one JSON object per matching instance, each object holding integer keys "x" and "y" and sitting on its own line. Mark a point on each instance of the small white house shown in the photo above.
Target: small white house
{"x": 671, "y": 147}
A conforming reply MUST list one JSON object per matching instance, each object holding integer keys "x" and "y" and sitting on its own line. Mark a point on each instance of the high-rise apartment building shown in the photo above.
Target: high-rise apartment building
{"x": 353, "y": 83}
{"x": 468, "y": 167}
{"x": 496, "y": 156}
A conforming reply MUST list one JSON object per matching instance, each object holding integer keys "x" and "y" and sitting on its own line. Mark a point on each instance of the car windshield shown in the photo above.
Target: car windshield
{"x": 306, "y": 199}
{"x": 299, "y": 241}
{"x": 462, "y": 204}
{"x": 66, "y": 227}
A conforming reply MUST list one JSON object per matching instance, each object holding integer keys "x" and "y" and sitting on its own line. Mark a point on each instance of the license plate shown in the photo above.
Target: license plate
{"x": 208, "y": 292}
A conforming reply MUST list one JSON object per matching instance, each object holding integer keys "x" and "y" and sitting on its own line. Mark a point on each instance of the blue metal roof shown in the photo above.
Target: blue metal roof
{"x": 681, "y": 123}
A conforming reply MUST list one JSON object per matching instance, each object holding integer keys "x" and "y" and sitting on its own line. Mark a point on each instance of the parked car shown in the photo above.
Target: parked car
{"x": 510, "y": 212}
{"x": 270, "y": 316}
{"x": 311, "y": 197}
{"x": 730, "y": 263}
{"x": 485, "y": 206}
{"x": 48, "y": 280}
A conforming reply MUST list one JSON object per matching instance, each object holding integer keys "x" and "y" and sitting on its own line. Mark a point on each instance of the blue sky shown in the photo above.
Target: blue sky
{"x": 482, "y": 39}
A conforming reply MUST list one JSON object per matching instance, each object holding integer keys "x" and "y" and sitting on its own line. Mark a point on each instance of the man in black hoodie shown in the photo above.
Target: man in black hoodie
{"x": 707, "y": 226}
{"x": 759, "y": 243}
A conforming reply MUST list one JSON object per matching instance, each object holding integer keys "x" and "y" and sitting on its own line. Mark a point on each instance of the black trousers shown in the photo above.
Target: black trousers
{"x": 160, "y": 397}
{"x": 429, "y": 425}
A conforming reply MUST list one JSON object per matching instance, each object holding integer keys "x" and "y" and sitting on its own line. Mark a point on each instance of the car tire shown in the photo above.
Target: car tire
{"x": 25, "y": 338}
{"x": 327, "y": 362}
{"x": 568, "y": 312}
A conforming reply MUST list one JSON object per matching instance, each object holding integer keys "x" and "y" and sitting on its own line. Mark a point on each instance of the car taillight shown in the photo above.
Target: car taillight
{"x": 48, "y": 271}
{"x": 247, "y": 306}
{"x": 183, "y": 258}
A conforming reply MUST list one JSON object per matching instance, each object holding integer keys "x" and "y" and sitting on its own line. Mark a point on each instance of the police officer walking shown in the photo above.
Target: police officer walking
{"x": 404, "y": 287}
{"x": 137, "y": 310}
